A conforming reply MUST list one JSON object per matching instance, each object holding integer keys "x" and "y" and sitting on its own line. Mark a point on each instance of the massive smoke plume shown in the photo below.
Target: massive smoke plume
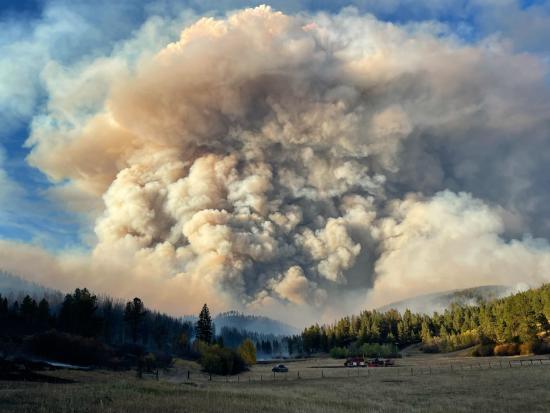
{"x": 271, "y": 162}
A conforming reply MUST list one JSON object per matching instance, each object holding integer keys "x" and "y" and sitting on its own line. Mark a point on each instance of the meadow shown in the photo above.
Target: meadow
{"x": 432, "y": 386}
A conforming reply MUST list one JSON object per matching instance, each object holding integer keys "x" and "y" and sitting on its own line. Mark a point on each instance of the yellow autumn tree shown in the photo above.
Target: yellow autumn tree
{"x": 247, "y": 350}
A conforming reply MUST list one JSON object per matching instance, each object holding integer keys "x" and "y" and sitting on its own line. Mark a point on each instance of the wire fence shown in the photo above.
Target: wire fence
{"x": 334, "y": 372}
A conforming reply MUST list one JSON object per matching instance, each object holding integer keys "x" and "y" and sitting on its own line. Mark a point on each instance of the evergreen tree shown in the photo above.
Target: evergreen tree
{"x": 3, "y": 307}
{"x": 204, "y": 325}
{"x": 134, "y": 313}
{"x": 28, "y": 309}
{"x": 78, "y": 313}
{"x": 43, "y": 312}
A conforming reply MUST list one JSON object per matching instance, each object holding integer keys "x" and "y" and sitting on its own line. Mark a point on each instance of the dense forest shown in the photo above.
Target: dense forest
{"x": 84, "y": 314}
{"x": 511, "y": 325}
{"x": 82, "y": 328}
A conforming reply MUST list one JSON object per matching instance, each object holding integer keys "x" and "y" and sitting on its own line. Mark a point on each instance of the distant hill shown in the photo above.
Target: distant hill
{"x": 15, "y": 287}
{"x": 429, "y": 303}
{"x": 252, "y": 323}
{"x": 258, "y": 324}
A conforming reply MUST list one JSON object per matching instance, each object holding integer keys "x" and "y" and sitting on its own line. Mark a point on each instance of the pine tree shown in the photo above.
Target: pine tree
{"x": 204, "y": 325}
{"x": 28, "y": 309}
{"x": 134, "y": 313}
{"x": 78, "y": 313}
{"x": 43, "y": 313}
{"x": 3, "y": 306}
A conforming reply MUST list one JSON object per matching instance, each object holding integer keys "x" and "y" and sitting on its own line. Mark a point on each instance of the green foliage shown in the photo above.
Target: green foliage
{"x": 339, "y": 352}
{"x": 522, "y": 318}
{"x": 365, "y": 350}
{"x": 247, "y": 351}
{"x": 451, "y": 342}
{"x": 379, "y": 350}
{"x": 205, "y": 331}
{"x": 219, "y": 360}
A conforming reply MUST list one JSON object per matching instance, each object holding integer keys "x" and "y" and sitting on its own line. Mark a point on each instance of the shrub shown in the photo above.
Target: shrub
{"x": 507, "y": 349}
{"x": 542, "y": 348}
{"x": 451, "y": 342}
{"x": 163, "y": 360}
{"x": 150, "y": 362}
{"x": 68, "y": 348}
{"x": 339, "y": 352}
{"x": 366, "y": 350}
{"x": 483, "y": 350}
{"x": 527, "y": 348}
{"x": 431, "y": 347}
{"x": 219, "y": 360}
{"x": 378, "y": 350}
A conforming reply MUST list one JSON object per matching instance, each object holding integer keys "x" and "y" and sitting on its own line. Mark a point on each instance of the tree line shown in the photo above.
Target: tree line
{"x": 511, "y": 325}
{"x": 86, "y": 329}
{"x": 111, "y": 321}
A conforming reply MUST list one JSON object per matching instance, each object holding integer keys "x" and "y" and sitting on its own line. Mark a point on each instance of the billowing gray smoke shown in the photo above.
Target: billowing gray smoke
{"x": 269, "y": 161}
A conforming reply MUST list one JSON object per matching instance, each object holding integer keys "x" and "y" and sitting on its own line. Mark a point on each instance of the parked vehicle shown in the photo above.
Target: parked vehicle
{"x": 361, "y": 362}
{"x": 280, "y": 368}
{"x": 376, "y": 362}
{"x": 355, "y": 362}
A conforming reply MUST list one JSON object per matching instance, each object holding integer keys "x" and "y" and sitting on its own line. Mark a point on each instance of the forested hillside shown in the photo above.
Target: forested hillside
{"x": 518, "y": 323}
{"x": 83, "y": 328}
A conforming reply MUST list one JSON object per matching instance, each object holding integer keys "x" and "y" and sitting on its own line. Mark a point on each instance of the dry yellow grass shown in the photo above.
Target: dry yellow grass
{"x": 516, "y": 389}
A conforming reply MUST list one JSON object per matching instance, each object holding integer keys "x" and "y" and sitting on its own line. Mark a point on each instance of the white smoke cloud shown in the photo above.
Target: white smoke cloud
{"x": 453, "y": 240}
{"x": 277, "y": 161}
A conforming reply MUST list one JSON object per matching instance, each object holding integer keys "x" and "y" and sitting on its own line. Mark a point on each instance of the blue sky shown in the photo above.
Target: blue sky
{"x": 420, "y": 130}
{"x": 64, "y": 31}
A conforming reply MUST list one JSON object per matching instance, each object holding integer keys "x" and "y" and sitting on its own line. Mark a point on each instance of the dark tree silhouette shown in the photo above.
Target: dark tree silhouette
{"x": 204, "y": 325}
{"x": 28, "y": 310}
{"x": 43, "y": 312}
{"x": 78, "y": 313}
{"x": 134, "y": 313}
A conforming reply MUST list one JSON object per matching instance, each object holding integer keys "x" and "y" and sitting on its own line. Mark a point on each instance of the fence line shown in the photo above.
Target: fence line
{"x": 375, "y": 372}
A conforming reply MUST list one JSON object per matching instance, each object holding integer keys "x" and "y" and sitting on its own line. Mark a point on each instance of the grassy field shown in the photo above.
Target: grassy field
{"x": 518, "y": 388}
